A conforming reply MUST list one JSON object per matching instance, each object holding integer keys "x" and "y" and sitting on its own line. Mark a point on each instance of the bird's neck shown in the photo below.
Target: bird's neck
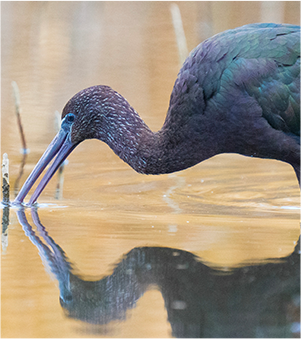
{"x": 173, "y": 148}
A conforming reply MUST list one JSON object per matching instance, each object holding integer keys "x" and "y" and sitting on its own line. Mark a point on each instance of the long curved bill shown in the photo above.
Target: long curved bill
{"x": 60, "y": 145}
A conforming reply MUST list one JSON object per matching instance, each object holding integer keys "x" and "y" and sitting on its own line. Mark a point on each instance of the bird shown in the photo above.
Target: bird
{"x": 237, "y": 92}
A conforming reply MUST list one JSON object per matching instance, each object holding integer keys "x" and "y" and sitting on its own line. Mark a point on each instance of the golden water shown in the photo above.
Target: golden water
{"x": 229, "y": 210}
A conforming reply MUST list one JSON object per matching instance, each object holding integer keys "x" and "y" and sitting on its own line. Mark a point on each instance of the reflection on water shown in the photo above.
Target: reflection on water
{"x": 251, "y": 301}
{"x": 5, "y": 223}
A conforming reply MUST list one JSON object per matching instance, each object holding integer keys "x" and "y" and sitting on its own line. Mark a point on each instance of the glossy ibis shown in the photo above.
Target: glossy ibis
{"x": 237, "y": 92}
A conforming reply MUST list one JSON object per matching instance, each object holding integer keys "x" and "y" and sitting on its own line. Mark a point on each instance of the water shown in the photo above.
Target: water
{"x": 180, "y": 245}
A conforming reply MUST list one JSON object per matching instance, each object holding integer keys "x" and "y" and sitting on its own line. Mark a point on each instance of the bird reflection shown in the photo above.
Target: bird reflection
{"x": 251, "y": 301}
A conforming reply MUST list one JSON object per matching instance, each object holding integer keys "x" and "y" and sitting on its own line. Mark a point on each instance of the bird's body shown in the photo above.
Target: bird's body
{"x": 237, "y": 92}
{"x": 247, "y": 85}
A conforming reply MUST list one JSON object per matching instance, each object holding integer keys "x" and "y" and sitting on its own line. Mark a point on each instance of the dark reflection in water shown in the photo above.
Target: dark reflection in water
{"x": 5, "y": 223}
{"x": 251, "y": 301}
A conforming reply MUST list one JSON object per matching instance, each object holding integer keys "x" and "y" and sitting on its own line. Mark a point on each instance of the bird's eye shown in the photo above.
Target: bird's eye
{"x": 70, "y": 117}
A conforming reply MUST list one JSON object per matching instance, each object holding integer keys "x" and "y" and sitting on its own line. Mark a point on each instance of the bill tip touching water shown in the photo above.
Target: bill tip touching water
{"x": 237, "y": 92}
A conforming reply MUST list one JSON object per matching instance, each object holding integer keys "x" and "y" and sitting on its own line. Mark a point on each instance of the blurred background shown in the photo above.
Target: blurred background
{"x": 227, "y": 210}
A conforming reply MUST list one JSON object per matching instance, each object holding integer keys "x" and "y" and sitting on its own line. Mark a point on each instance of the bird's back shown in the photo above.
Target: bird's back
{"x": 262, "y": 59}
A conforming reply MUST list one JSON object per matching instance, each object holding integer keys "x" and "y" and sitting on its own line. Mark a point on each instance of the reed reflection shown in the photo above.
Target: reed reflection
{"x": 5, "y": 223}
{"x": 251, "y": 301}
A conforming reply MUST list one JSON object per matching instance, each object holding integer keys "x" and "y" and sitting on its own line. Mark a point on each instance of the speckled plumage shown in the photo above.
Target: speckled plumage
{"x": 237, "y": 92}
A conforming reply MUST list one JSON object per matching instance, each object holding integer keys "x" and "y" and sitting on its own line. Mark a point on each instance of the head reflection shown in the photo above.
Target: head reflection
{"x": 251, "y": 301}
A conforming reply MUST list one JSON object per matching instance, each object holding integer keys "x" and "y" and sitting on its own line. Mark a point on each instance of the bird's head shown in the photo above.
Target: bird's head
{"x": 85, "y": 116}
{"x": 91, "y": 113}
